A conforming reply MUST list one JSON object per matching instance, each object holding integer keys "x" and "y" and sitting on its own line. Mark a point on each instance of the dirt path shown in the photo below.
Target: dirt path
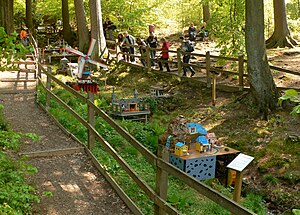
{"x": 76, "y": 185}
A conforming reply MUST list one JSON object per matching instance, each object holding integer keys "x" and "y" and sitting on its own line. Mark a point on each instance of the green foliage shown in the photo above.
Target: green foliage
{"x": 11, "y": 140}
{"x": 11, "y": 49}
{"x": 292, "y": 96}
{"x": 152, "y": 102}
{"x": 270, "y": 179}
{"x": 15, "y": 194}
{"x": 3, "y": 123}
{"x": 296, "y": 211}
{"x": 48, "y": 194}
{"x": 255, "y": 203}
{"x": 227, "y": 23}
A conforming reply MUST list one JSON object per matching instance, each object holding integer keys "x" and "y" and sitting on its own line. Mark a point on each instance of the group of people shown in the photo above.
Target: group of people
{"x": 127, "y": 41}
{"x": 192, "y": 31}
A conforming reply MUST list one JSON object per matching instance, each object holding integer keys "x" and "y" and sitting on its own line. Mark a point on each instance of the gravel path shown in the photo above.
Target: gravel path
{"x": 76, "y": 185}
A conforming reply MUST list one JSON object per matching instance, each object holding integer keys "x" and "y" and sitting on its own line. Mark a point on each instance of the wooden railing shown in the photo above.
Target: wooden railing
{"x": 163, "y": 167}
{"x": 211, "y": 70}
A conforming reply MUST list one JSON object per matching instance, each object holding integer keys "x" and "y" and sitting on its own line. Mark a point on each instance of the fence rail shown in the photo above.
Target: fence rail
{"x": 206, "y": 65}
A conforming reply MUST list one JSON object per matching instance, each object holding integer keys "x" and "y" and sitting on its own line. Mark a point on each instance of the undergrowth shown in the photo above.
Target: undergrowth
{"x": 16, "y": 195}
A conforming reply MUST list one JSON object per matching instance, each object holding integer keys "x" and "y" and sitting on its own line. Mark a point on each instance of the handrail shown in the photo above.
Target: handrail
{"x": 211, "y": 68}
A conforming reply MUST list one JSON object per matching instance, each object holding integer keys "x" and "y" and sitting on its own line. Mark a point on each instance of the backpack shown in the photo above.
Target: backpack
{"x": 190, "y": 46}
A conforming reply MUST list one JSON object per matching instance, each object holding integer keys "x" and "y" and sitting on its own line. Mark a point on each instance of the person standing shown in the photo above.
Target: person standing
{"x": 192, "y": 32}
{"x": 152, "y": 42}
{"x": 108, "y": 28}
{"x": 164, "y": 54}
{"x": 142, "y": 48}
{"x": 129, "y": 40}
{"x": 24, "y": 36}
{"x": 187, "y": 47}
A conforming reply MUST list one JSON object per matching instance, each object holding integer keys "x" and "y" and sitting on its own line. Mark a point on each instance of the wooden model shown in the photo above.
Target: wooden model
{"x": 129, "y": 107}
{"x": 198, "y": 158}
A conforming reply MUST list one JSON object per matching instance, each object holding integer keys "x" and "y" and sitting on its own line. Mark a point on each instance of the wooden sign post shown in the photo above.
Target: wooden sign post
{"x": 239, "y": 164}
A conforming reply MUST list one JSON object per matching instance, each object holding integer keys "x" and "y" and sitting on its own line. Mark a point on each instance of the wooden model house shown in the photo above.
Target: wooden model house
{"x": 202, "y": 144}
{"x": 181, "y": 149}
{"x": 129, "y": 107}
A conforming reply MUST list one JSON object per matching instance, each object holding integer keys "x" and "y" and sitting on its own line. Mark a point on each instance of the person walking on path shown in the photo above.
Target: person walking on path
{"x": 129, "y": 40}
{"x": 187, "y": 47}
{"x": 164, "y": 55}
{"x": 152, "y": 42}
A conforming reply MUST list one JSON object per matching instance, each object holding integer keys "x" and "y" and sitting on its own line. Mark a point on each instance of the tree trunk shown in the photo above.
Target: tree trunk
{"x": 29, "y": 21}
{"x": 262, "y": 87}
{"x": 83, "y": 32}
{"x": 1, "y": 13}
{"x": 67, "y": 34}
{"x": 206, "y": 12}
{"x": 281, "y": 36}
{"x": 97, "y": 28}
{"x": 8, "y": 16}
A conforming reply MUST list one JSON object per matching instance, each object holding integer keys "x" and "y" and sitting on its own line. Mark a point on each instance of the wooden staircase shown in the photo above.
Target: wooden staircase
{"x": 20, "y": 80}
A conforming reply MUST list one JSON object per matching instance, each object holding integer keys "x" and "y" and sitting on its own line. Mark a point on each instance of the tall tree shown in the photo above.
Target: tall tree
{"x": 1, "y": 13}
{"x": 67, "y": 34}
{"x": 82, "y": 29}
{"x": 262, "y": 86}
{"x": 206, "y": 12}
{"x": 6, "y": 15}
{"x": 29, "y": 20}
{"x": 97, "y": 28}
{"x": 281, "y": 36}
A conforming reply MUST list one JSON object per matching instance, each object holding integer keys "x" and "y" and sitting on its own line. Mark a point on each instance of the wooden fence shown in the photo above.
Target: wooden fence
{"x": 211, "y": 70}
{"x": 163, "y": 167}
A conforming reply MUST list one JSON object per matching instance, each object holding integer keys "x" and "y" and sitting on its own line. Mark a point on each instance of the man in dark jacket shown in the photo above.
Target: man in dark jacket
{"x": 186, "y": 48}
{"x": 152, "y": 42}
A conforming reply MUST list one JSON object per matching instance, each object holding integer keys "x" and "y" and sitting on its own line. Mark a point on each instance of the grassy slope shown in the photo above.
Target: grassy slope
{"x": 274, "y": 173}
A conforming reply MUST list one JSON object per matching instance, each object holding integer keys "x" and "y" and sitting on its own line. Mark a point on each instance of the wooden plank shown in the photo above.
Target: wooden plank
{"x": 25, "y": 62}
{"x": 161, "y": 179}
{"x": 284, "y": 70}
{"x": 17, "y": 91}
{"x": 52, "y": 153}
{"x": 17, "y": 80}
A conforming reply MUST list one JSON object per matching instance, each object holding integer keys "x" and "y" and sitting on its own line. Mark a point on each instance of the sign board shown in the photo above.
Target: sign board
{"x": 240, "y": 162}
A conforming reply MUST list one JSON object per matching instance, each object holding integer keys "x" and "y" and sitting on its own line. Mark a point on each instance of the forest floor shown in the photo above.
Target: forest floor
{"x": 78, "y": 189}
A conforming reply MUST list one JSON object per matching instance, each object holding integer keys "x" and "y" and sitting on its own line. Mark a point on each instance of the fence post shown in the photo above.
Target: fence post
{"x": 208, "y": 75}
{"x": 118, "y": 50}
{"x": 39, "y": 75}
{"x": 148, "y": 58}
{"x": 161, "y": 178}
{"x": 91, "y": 121}
{"x": 214, "y": 89}
{"x": 241, "y": 72}
{"x": 48, "y": 87}
{"x": 179, "y": 63}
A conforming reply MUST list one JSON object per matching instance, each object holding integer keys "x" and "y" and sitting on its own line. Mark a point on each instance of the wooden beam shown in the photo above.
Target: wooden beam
{"x": 52, "y": 153}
